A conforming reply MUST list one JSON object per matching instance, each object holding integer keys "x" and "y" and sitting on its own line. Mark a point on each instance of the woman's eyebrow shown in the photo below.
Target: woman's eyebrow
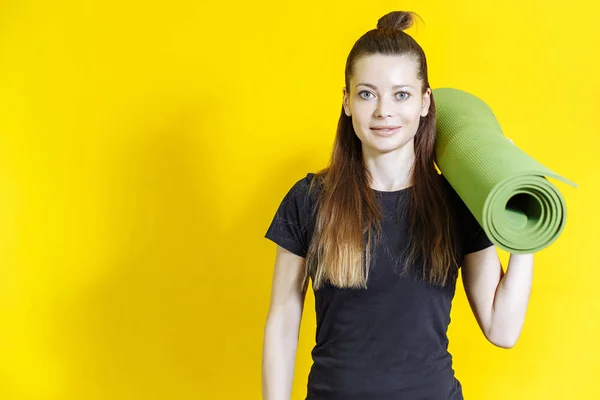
{"x": 375, "y": 87}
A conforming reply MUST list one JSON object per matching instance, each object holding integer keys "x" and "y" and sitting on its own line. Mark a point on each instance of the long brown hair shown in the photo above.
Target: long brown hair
{"x": 348, "y": 215}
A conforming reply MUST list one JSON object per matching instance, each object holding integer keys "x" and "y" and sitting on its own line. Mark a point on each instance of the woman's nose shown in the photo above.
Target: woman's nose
{"x": 384, "y": 108}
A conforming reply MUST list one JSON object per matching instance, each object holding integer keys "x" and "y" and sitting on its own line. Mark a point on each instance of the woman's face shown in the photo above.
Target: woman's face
{"x": 385, "y": 92}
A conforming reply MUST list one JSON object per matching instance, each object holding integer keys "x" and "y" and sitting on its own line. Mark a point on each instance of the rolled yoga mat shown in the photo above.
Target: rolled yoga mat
{"x": 505, "y": 189}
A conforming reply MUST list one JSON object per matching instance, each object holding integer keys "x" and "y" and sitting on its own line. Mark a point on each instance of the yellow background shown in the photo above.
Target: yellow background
{"x": 145, "y": 146}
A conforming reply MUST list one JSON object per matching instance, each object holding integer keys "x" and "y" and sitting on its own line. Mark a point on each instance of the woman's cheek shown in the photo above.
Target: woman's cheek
{"x": 410, "y": 114}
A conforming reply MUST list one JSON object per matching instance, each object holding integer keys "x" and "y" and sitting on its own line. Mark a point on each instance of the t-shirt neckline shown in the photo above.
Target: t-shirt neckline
{"x": 392, "y": 192}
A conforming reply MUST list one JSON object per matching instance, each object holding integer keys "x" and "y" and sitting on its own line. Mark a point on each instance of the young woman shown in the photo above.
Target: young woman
{"x": 382, "y": 236}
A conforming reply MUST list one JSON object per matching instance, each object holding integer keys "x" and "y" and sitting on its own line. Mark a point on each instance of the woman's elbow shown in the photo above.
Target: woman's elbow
{"x": 504, "y": 342}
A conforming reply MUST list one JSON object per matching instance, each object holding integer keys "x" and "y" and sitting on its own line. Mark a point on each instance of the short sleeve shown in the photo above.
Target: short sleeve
{"x": 291, "y": 227}
{"x": 473, "y": 236}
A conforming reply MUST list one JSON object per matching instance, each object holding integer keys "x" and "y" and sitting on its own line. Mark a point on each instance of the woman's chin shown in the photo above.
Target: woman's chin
{"x": 387, "y": 145}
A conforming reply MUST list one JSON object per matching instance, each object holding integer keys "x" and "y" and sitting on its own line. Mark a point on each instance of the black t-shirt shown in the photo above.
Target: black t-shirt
{"x": 388, "y": 341}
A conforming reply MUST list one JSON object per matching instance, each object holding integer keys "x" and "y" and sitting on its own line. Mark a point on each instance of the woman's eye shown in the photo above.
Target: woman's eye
{"x": 367, "y": 95}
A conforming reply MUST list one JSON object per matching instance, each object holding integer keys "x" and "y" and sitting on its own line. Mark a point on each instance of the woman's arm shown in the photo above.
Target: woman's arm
{"x": 499, "y": 300}
{"x": 282, "y": 326}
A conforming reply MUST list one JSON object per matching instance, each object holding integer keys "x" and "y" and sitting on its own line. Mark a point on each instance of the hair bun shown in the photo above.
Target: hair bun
{"x": 399, "y": 20}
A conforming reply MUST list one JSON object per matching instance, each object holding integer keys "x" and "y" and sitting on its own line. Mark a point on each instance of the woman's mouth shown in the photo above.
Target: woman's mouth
{"x": 386, "y": 131}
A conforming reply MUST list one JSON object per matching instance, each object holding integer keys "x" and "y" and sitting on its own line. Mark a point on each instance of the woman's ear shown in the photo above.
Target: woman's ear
{"x": 426, "y": 102}
{"x": 346, "y": 103}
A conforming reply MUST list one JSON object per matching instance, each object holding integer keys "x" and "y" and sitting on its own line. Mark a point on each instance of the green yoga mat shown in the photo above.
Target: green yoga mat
{"x": 506, "y": 190}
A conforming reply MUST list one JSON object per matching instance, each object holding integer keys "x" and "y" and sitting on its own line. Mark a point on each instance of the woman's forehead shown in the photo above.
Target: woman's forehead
{"x": 385, "y": 71}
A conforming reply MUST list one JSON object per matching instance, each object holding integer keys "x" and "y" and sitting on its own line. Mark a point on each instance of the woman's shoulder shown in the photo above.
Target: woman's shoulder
{"x": 306, "y": 180}
{"x": 448, "y": 189}
{"x": 307, "y": 186}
